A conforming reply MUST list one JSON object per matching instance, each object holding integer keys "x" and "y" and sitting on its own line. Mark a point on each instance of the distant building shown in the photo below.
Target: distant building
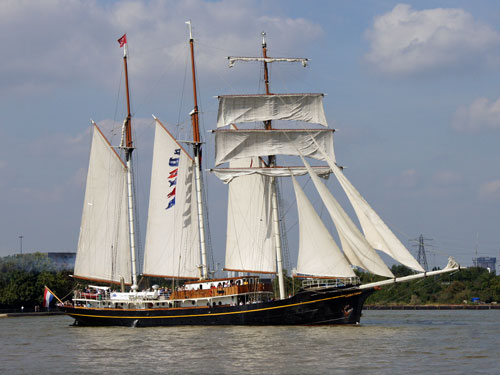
{"x": 63, "y": 261}
{"x": 486, "y": 262}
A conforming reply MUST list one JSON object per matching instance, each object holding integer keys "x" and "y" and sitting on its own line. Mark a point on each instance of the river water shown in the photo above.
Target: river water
{"x": 387, "y": 342}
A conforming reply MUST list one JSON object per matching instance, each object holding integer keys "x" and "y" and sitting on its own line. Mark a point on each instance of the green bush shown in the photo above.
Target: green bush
{"x": 23, "y": 278}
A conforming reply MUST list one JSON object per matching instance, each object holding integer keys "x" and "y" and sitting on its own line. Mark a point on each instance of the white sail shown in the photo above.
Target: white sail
{"x": 377, "y": 233}
{"x": 249, "y": 243}
{"x": 234, "y": 109}
{"x": 238, "y": 144}
{"x": 319, "y": 255}
{"x": 172, "y": 239}
{"x": 104, "y": 246}
{"x": 350, "y": 236}
{"x": 226, "y": 175}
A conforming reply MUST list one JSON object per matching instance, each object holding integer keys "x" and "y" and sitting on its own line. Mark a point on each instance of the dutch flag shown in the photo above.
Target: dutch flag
{"x": 47, "y": 297}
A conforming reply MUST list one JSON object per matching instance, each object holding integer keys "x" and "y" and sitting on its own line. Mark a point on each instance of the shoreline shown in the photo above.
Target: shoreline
{"x": 42, "y": 313}
{"x": 433, "y": 307}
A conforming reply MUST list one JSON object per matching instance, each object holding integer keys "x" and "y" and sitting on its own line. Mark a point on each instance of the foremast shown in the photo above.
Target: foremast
{"x": 127, "y": 145}
{"x": 274, "y": 196}
{"x": 197, "y": 157}
{"x": 261, "y": 104}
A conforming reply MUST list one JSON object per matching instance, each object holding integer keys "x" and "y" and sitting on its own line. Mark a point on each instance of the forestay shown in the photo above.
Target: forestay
{"x": 357, "y": 249}
{"x": 319, "y": 255}
{"x": 172, "y": 240}
{"x": 249, "y": 243}
{"x": 104, "y": 245}
{"x": 234, "y": 109}
{"x": 238, "y": 144}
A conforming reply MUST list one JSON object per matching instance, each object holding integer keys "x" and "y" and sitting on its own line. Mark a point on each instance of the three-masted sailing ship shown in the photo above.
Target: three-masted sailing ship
{"x": 175, "y": 245}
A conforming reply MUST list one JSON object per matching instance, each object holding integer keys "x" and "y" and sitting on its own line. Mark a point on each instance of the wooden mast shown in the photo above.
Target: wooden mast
{"x": 274, "y": 198}
{"x": 127, "y": 145}
{"x": 197, "y": 157}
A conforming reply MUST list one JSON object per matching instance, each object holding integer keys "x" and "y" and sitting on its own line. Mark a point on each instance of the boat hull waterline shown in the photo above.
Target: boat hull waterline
{"x": 320, "y": 307}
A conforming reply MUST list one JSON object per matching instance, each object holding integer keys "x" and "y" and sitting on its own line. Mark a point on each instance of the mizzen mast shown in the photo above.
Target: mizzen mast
{"x": 127, "y": 145}
{"x": 197, "y": 158}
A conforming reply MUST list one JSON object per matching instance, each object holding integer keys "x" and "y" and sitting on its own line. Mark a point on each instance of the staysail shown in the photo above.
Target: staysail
{"x": 319, "y": 255}
{"x": 351, "y": 238}
{"x": 377, "y": 233}
{"x": 104, "y": 246}
{"x": 249, "y": 244}
{"x": 172, "y": 239}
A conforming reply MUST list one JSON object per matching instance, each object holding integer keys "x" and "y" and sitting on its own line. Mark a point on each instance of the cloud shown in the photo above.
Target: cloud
{"x": 61, "y": 145}
{"x": 58, "y": 43}
{"x": 490, "y": 190}
{"x": 446, "y": 178}
{"x": 405, "y": 41}
{"x": 407, "y": 179}
{"x": 481, "y": 114}
{"x": 3, "y": 164}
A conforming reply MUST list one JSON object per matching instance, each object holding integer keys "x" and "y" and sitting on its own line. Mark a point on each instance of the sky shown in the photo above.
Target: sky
{"x": 413, "y": 89}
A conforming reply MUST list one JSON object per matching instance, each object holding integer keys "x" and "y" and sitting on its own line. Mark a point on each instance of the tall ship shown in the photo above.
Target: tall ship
{"x": 252, "y": 132}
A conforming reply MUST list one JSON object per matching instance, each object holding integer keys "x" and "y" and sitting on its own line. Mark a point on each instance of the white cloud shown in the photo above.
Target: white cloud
{"x": 57, "y": 43}
{"x": 481, "y": 114}
{"x": 407, "y": 179}
{"x": 408, "y": 41}
{"x": 490, "y": 190}
{"x": 446, "y": 178}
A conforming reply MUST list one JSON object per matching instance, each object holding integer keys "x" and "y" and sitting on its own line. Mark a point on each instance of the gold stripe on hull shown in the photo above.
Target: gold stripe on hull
{"x": 212, "y": 313}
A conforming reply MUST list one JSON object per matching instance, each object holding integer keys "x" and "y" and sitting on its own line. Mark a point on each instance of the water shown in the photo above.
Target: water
{"x": 387, "y": 342}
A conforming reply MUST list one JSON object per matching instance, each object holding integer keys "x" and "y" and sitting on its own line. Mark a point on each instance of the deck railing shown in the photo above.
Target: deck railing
{"x": 218, "y": 292}
{"x": 330, "y": 283}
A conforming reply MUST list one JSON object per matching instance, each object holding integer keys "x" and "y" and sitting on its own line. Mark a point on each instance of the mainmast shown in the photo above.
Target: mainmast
{"x": 127, "y": 145}
{"x": 274, "y": 197}
{"x": 197, "y": 158}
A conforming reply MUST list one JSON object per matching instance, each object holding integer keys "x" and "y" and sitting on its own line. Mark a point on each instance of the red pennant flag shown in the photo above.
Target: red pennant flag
{"x": 171, "y": 194}
{"x": 173, "y": 174}
{"x": 123, "y": 40}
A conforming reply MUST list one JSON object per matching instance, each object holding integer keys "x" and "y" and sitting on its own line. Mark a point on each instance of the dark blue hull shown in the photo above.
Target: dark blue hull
{"x": 333, "y": 306}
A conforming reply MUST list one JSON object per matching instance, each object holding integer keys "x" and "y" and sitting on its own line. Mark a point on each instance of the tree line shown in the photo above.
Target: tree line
{"x": 23, "y": 277}
{"x": 451, "y": 288}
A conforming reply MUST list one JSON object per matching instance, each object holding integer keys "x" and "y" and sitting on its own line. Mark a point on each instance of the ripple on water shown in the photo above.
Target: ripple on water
{"x": 395, "y": 342}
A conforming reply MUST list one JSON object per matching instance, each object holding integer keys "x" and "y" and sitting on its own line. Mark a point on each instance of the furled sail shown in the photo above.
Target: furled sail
{"x": 226, "y": 175}
{"x": 172, "y": 239}
{"x": 257, "y": 108}
{"x": 319, "y": 255}
{"x": 351, "y": 238}
{"x": 104, "y": 246}
{"x": 249, "y": 244}
{"x": 237, "y": 144}
{"x": 302, "y": 60}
